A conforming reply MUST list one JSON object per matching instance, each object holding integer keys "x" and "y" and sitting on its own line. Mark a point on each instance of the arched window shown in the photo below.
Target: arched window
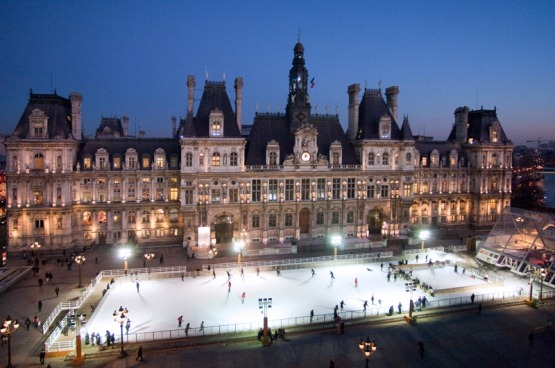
{"x": 371, "y": 158}
{"x": 233, "y": 159}
{"x": 385, "y": 158}
{"x": 87, "y": 218}
{"x": 101, "y": 217}
{"x": 159, "y": 215}
{"x": 38, "y": 162}
{"x": 215, "y": 159}
{"x": 273, "y": 158}
{"x": 335, "y": 158}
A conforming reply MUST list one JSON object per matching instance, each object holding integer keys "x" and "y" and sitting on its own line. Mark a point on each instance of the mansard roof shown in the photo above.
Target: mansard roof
{"x": 58, "y": 110}
{"x": 213, "y": 98}
{"x": 268, "y": 127}
{"x": 479, "y": 123}
{"x": 371, "y": 109}
{"x": 110, "y": 127}
{"x": 141, "y": 145}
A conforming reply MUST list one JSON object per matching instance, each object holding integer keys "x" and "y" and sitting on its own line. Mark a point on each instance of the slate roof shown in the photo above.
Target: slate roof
{"x": 109, "y": 126}
{"x": 269, "y": 127}
{"x": 479, "y": 122}
{"x": 213, "y": 97}
{"x": 141, "y": 145}
{"x": 58, "y": 110}
{"x": 371, "y": 109}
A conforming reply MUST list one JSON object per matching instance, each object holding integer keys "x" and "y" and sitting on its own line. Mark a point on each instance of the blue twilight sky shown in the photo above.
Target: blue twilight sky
{"x": 133, "y": 57}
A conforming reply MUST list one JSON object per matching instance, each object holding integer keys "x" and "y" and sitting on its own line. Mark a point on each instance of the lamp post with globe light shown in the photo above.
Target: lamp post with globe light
{"x": 7, "y": 331}
{"x": 424, "y": 235}
{"x": 367, "y": 348}
{"x": 124, "y": 254}
{"x": 120, "y": 316}
{"x": 80, "y": 260}
{"x": 35, "y": 247}
{"x": 335, "y": 241}
{"x": 148, "y": 257}
{"x": 238, "y": 245}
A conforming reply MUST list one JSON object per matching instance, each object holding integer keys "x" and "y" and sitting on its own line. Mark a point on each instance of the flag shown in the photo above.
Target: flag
{"x": 312, "y": 83}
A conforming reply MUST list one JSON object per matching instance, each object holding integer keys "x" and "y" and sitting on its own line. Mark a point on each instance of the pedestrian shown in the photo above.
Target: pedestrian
{"x": 399, "y": 307}
{"x": 464, "y": 270}
{"x": 257, "y": 271}
{"x": 113, "y": 340}
{"x": 40, "y": 305}
{"x": 311, "y": 314}
{"x": 229, "y": 286}
{"x": 356, "y": 281}
{"x": 127, "y": 326}
{"x": 161, "y": 259}
{"x": 417, "y": 258}
{"x": 472, "y": 298}
{"x": 480, "y": 309}
{"x": 27, "y": 323}
{"x": 57, "y": 290}
{"x": 139, "y": 354}
{"x": 313, "y": 273}
{"x": 531, "y": 337}
{"x": 96, "y": 260}
{"x": 421, "y": 348}
{"x": 426, "y": 258}
{"x": 42, "y": 355}
{"x": 342, "y": 304}
{"x": 138, "y": 286}
{"x": 201, "y": 326}
{"x": 179, "y": 321}
{"x": 243, "y": 296}
{"x": 40, "y": 282}
{"x": 187, "y": 329}
{"x": 332, "y": 276}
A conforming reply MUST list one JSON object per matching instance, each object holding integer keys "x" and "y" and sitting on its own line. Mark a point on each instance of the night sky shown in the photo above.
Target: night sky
{"x": 133, "y": 57}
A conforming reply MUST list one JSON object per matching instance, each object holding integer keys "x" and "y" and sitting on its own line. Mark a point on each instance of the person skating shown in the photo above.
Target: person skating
{"x": 138, "y": 286}
{"x": 342, "y": 304}
{"x": 311, "y": 314}
{"x": 365, "y": 305}
{"x": 480, "y": 309}
{"x": 229, "y": 286}
{"x": 201, "y": 326}
{"x": 243, "y": 296}
{"x": 313, "y": 273}
{"x": 331, "y": 275}
{"x": 179, "y": 321}
{"x": 278, "y": 271}
{"x": 399, "y": 307}
{"x": 187, "y": 329}
{"x": 27, "y": 323}
{"x": 356, "y": 281}
{"x": 472, "y": 298}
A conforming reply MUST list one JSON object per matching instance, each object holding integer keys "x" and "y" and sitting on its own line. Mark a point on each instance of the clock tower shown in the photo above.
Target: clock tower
{"x": 298, "y": 103}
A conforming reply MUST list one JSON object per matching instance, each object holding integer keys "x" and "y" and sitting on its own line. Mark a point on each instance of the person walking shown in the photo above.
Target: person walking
{"x": 313, "y": 273}
{"x": 187, "y": 329}
{"x": 40, "y": 282}
{"x": 372, "y": 299}
{"x": 421, "y": 348}
{"x": 40, "y": 305}
{"x": 57, "y": 291}
{"x": 229, "y": 286}
{"x": 138, "y": 286}
{"x": 531, "y": 338}
{"x": 472, "y": 298}
{"x": 243, "y": 296}
{"x": 399, "y": 307}
{"x": 161, "y": 259}
{"x": 42, "y": 355}
{"x": 27, "y": 323}
{"x": 480, "y": 309}
{"x": 242, "y": 273}
{"x": 139, "y": 354}
{"x": 201, "y": 326}
{"x": 311, "y": 315}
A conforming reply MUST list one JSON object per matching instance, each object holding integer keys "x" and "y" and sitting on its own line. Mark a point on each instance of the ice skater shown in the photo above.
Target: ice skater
{"x": 257, "y": 271}
{"x": 243, "y": 296}
{"x": 201, "y": 326}
{"x": 365, "y": 305}
{"x": 214, "y": 273}
{"x": 229, "y": 286}
{"x": 187, "y": 329}
{"x": 331, "y": 275}
{"x": 278, "y": 271}
{"x": 179, "y": 321}
{"x": 311, "y": 315}
{"x": 313, "y": 273}
{"x": 372, "y": 299}
{"x": 242, "y": 273}
{"x": 356, "y": 281}
{"x": 138, "y": 286}
{"x": 228, "y": 274}
{"x": 342, "y": 304}
{"x": 139, "y": 353}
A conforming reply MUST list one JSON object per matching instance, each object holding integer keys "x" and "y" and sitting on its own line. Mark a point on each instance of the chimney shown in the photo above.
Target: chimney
{"x": 76, "y": 118}
{"x": 239, "y": 101}
{"x": 391, "y": 97}
{"x": 174, "y": 123}
{"x": 126, "y": 126}
{"x": 191, "y": 97}
{"x": 142, "y": 134}
{"x": 353, "y": 91}
{"x": 461, "y": 124}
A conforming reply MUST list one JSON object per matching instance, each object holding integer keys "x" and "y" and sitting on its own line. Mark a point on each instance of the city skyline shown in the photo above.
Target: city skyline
{"x": 133, "y": 59}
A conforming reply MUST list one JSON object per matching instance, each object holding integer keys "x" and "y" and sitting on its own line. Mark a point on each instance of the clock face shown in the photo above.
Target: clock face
{"x": 305, "y": 156}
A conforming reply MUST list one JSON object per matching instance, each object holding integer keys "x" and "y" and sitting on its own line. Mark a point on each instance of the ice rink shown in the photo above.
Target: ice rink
{"x": 157, "y": 304}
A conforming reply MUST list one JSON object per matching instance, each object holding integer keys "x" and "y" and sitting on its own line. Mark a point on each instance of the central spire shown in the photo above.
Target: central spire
{"x": 298, "y": 103}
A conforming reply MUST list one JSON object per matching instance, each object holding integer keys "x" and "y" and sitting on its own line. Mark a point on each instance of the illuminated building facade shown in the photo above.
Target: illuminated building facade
{"x": 296, "y": 176}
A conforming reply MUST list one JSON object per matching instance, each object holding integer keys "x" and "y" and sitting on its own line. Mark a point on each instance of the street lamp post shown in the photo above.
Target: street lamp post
{"x": 35, "y": 247}
{"x": 335, "y": 241}
{"x": 79, "y": 357}
{"x": 148, "y": 257}
{"x": 120, "y": 316}
{"x": 410, "y": 287}
{"x": 7, "y": 330}
{"x": 367, "y": 348}
{"x": 239, "y": 244}
{"x": 533, "y": 274}
{"x": 265, "y": 303}
{"x": 542, "y": 276}
{"x": 124, "y": 254}
{"x": 424, "y": 235}
{"x": 80, "y": 260}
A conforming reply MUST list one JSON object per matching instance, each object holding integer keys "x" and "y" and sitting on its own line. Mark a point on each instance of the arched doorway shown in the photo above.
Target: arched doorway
{"x": 224, "y": 229}
{"x": 375, "y": 220}
{"x": 304, "y": 221}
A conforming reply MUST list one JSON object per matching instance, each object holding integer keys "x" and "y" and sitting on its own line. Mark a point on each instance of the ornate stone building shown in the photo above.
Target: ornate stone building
{"x": 296, "y": 176}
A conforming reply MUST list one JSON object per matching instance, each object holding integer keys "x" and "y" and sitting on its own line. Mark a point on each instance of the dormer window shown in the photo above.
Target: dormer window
{"x": 385, "y": 127}
{"x": 216, "y": 123}
{"x": 272, "y": 153}
{"x": 495, "y": 136}
{"x": 38, "y": 124}
{"x": 494, "y": 132}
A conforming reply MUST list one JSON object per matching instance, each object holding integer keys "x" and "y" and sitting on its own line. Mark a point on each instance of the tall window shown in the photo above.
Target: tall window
{"x": 351, "y": 188}
{"x": 233, "y": 194}
{"x": 272, "y": 220}
{"x": 273, "y": 158}
{"x": 272, "y": 190}
{"x": 289, "y": 189}
{"x": 174, "y": 194}
{"x": 385, "y": 158}
{"x": 131, "y": 217}
{"x": 305, "y": 189}
{"x": 371, "y": 158}
{"x": 370, "y": 191}
{"x": 216, "y": 159}
{"x": 216, "y": 196}
{"x": 188, "y": 159}
{"x": 145, "y": 218}
{"x": 320, "y": 218}
{"x": 256, "y": 190}
{"x": 288, "y": 219}
{"x": 321, "y": 188}
{"x": 255, "y": 221}
{"x": 233, "y": 159}
{"x": 336, "y": 188}
{"x": 384, "y": 191}
{"x": 38, "y": 162}
{"x": 188, "y": 193}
